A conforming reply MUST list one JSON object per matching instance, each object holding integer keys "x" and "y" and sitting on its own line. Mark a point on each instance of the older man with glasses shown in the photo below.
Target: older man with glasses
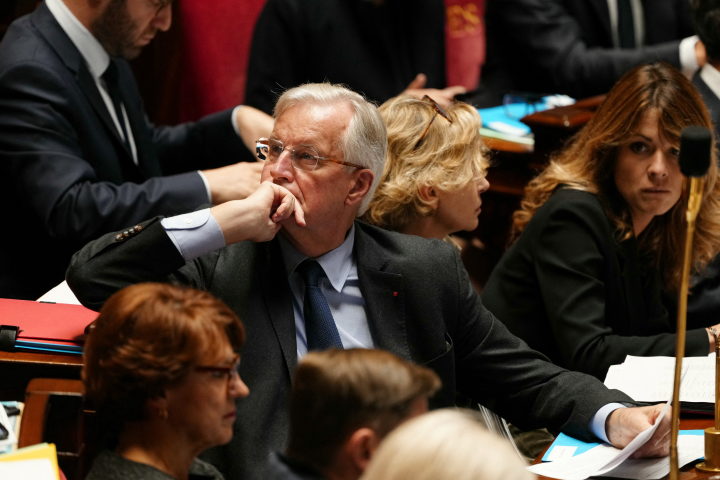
{"x": 329, "y": 280}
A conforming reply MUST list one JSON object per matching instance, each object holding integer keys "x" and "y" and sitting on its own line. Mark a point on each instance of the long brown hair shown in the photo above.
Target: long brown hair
{"x": 588, "y": 163}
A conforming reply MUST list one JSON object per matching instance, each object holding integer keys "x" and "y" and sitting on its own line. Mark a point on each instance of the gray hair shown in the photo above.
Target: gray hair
{"x": 365, "y": 140}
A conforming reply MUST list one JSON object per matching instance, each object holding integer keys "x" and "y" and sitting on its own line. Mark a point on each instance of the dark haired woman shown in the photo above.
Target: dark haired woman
{"x": 161, "y": 370}
{"x": 601, "y": 232}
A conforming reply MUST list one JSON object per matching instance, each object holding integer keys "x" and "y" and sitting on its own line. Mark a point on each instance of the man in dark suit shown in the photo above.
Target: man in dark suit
{"x": 78, "y": 156}
{"x": 331, "y": 281}
{"x": 582, "y": 47}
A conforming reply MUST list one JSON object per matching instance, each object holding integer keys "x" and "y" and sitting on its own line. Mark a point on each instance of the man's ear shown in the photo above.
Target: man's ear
{"x": 429, "y": 196}
{"x": 360, "y": 448}
{"x": 360, "y": 185}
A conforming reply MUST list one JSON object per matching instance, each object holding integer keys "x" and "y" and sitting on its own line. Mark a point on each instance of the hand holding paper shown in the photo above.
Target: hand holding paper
{"x": 624, "y": 425}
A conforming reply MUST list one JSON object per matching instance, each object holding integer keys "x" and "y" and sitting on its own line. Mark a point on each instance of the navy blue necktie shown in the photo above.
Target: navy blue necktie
{"x": 320, "y": 329}
{"x": 111, "y": 77}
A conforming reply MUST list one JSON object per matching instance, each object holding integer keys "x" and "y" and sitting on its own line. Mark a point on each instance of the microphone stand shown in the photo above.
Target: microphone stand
{"x": 694, "y": 201}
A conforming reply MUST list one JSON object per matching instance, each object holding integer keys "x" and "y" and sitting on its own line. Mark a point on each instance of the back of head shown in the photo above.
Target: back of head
{"x": 445, "y": 444}
{"x": 449, "y": 156}
{"x": 706, "y": 20}
{"x": 149, "y": 336}
{"x": 336, "y": 392}
{"x": 365, "y": 140}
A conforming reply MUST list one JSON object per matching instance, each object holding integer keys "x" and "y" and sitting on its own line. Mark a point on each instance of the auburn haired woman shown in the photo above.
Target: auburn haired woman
{"x": 161, "y": 370}
{"x": 434, "y": 169}
{"x": 601, "y": 232}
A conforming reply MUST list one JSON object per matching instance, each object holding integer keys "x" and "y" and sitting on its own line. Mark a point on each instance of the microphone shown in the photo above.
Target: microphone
{"x": 695, "y": 148}
{"x": 695, "y": 157}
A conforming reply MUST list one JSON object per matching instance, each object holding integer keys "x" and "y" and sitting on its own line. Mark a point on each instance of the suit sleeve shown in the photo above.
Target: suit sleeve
{"x": 40, "y": 148}
{"x": 569, "y": 267}
{"x": 211, "y": 142}
{"x": 106, "y": 265}
{"x": 520, "y": 384}
{"x": 541, "y": 37}
{"x": 276, "y": 54}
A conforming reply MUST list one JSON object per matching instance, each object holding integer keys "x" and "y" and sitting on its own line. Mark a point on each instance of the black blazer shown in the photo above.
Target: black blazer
{"x": 572, "y": 292}
{"x": 420, "y": 306}
{"x": 712, "y": 102}
{"x": 65, "y": 175}
{"x": 565, "y": 46}
{"x": 376, "y": 50}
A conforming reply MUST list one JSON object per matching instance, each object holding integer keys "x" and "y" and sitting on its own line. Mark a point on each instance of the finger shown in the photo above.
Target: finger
{"x": 283, "y": 212}
{"x": 456, "y": 90}
{"x": 418, "y": 82}
{"x": 299, "y": 215}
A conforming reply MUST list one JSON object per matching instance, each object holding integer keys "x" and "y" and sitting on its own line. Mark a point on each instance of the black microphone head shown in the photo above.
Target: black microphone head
{"x": 695, "y": 151}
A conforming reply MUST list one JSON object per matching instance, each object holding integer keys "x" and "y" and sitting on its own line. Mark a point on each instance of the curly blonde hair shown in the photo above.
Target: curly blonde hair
{"x": 588, "y": 164}
{"x": 450, "y": 156}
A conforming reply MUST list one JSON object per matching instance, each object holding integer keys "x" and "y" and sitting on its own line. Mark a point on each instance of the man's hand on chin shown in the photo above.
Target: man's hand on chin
{"x": 257, "y": 217}
{"x": 624, "y": 424}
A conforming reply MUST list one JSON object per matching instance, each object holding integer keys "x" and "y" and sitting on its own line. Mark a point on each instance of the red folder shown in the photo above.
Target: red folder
{"x": 46, "y": 321}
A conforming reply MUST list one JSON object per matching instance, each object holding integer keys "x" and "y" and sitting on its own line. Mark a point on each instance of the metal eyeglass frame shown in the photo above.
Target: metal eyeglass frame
{"x": 265, "y": 142}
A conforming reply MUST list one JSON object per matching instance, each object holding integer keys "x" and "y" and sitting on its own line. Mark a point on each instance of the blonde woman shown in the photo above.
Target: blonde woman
{"x": 434, "y": 170}
{"x": 601, "y": 232}
{"x": 445, "y": 444}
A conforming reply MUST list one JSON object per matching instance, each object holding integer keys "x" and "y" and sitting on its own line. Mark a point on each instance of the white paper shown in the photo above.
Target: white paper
{"x": 596, "y": 461}
{"x": 650, "y": 379}
{"x": 690, "y": 448}
{"x": 60, "y": 294}
{"x": 12, "y": 439}
{"x": 560, "y": 452}
{"x": 38, "y": 469}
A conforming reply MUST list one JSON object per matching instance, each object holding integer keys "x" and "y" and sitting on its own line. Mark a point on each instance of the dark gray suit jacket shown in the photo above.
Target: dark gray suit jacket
{"x": 420, "y": 306}
{"x": 65, "y": 175}
{"x": 565, "y": 46}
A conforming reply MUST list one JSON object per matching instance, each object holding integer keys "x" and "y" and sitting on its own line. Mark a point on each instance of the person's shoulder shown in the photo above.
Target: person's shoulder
{"x": 403, "y": 244}
{"x": 22, "y": 43}
{"x": 202, "y": 470}
{"x": 280, "y": 467}
{"x": 568, "y": 199}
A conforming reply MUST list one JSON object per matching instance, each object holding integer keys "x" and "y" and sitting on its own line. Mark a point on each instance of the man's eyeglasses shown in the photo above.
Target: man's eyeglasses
{"x": 438, "y": 110}
{"x": 301, "y": 157}
{"x": 223, "y": 371}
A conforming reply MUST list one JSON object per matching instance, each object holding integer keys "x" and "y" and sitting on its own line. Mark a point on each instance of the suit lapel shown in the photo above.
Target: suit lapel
{"x": 58, "y": 40}
{"x": 603, "y": 15}
{"x": 278, "y": 300}
{"x": 383, "y": 293}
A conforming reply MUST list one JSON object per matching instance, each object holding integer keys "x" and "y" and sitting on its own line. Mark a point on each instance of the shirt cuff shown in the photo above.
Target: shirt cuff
{"x": 597, "y": 422}
{"x": 688, "y": 59}
{"x": 233, "y": 117}
{"x": 194, "y": 234}
{"x": 207, "y": 185}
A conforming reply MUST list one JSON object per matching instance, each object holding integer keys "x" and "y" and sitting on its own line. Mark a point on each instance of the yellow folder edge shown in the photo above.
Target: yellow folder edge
{"x": 41, "y": 450}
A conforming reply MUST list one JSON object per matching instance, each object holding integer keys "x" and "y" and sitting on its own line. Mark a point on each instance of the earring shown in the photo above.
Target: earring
{"x": 163, "y": 414}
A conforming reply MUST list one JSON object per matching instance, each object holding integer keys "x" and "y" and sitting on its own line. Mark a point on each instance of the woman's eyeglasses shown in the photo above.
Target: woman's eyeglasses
{"x": 438, "y": 110}
{"x": 223, "y": 371}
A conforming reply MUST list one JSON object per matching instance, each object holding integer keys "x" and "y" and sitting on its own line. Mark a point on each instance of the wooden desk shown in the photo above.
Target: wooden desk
{"x": 689, "y": 472}
{"x": 18, "y": 368}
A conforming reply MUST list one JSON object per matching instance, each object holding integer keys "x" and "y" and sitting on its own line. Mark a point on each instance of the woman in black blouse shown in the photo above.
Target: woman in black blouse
{"x": 600, "y": 233}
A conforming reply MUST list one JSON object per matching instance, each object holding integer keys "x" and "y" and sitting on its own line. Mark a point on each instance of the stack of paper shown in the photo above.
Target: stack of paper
{"x": 650, "y": 379}
{"x": 38, "y": 462}
{"x": 606, "y": 460}
{"x": 7, "y": 444}
{"x": 13, "y": 425}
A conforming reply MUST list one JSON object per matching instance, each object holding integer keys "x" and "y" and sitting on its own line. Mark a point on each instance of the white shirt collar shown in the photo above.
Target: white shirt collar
{"x": 336, "y": 263}
{"x": 711, "y": 77}
{"x": 95, "y": 56}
